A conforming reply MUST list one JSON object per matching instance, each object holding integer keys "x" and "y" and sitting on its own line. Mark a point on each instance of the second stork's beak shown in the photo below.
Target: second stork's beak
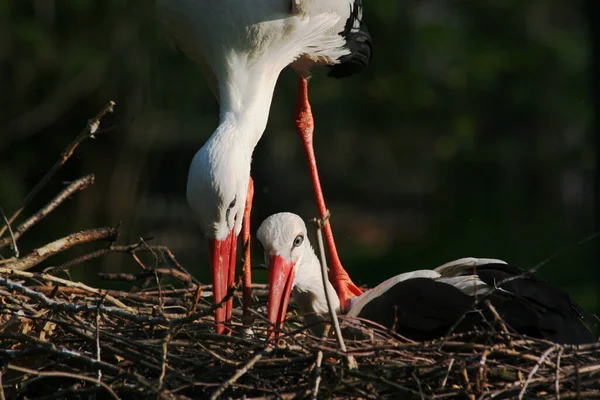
{"x": 222, "y": 258}
{"x": 281, "y": 279}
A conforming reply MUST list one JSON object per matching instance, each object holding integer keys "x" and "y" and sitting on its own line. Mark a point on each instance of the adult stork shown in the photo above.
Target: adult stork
{"x": 242, "y": 46}
{"x": 423, "y": 304}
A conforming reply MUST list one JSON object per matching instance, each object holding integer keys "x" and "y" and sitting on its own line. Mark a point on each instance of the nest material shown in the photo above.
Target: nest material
{"x": 62, "y": 339}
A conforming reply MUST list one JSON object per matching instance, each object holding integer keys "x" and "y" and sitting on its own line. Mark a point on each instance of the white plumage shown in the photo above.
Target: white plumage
{"x": 242, "y": 46}
{"x": 421, "y": 304}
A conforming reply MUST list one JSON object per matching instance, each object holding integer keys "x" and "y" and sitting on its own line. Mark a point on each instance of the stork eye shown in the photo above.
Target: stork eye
{"x": 298, "y": 241}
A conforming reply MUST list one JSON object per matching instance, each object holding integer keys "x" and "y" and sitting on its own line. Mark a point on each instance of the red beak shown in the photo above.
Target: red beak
{"x": 223, "y": 257}
{"x": 281, "y": 278}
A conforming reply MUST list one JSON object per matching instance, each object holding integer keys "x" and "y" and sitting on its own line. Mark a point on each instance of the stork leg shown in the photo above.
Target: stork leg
{"x": 247, "y": 267}
{"x": 230, "y": 281}
{"x": 338, "y": 276}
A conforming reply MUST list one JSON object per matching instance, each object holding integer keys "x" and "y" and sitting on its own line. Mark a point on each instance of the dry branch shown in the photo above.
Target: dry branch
{"x": 143, "y": 353}
{"x": 60, "y": 245}
{"x": 65, "y": 339}
{"x": 87, "y": 132}
{"x": 73, "y": 187}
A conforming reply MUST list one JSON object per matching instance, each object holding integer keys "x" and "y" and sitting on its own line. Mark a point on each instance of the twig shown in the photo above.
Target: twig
{"x": 497, "y": 316}
{"x": 418, "y": 385}
{"x": 78, "y": 285}
{"x": 86, "y": 133}
{"x": 240, "y": 372}
{"x": 150, "y": 273}
{"x": 98, "y": 355}
{"x": 557, "y": 380}
{"x": 60, "y": 245}
{"x": 332, "y": 312}
{"x": 57, "y": 305}
{"x": 163, "y": 362}
{"x": 315, "y": 391}
{"x": 450, "y": 364}
{"x": 2, "y": 396}
{"x": 535, "y": 369}
{"x": 62, "y": 375}
{"x": 132, "y": 249}
{"x": 79, "y": 184}
{"x": 12, "y": 239}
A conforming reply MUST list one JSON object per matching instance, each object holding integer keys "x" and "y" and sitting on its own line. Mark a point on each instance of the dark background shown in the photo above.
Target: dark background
{"x": 472, "y": 134}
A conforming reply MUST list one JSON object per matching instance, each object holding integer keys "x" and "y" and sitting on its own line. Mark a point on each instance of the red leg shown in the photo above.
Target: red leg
{"x": 230, "y": 281}
{"x": 339, "y": 278}
{"x": 247, "y": 268}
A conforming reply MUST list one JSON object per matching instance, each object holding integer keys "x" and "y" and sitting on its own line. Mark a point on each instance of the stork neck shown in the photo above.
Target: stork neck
{"x": 245, "y": 102}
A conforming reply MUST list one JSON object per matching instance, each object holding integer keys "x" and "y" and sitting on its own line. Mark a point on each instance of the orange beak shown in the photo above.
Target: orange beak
{"x": 281, "y": 278}
{"x": 223, "y": 257}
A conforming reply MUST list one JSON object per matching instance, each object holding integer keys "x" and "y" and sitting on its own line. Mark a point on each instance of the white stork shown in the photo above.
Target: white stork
{"x": 420, "y": 305}
{"x": 242, "y": 46}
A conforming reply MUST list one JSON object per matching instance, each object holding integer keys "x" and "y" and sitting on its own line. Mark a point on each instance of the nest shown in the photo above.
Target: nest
{"x": 63, "y": 339}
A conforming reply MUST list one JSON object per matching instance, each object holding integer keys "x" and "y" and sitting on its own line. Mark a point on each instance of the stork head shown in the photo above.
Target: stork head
{"x": 216, "y": 192}
{"x": 283, "y": 239}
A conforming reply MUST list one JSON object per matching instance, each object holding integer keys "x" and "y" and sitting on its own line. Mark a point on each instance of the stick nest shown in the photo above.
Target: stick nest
{"x": 59, "y": 339}
{"x": 62, "y": 339}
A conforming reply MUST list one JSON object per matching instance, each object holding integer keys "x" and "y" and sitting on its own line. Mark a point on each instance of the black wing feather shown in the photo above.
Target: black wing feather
{"x": 424, "y": 309}
{"x": 358, "y": 41}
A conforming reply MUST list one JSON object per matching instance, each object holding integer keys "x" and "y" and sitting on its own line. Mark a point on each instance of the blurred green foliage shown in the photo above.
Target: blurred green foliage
{"x": 468, "y": 136}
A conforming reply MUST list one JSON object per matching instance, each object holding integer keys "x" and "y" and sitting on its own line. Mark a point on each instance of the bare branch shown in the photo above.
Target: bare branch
{"x": 86, "y": 133}
{"x": 60, "y": 245}
{"x": 12, "y": 239}
{"x": 74, "y": 186}
{"x": 62, "y": 375}
{"x": 332, "y": 312}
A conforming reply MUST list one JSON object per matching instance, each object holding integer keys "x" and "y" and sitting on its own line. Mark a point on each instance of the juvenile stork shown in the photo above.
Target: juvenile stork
{"x": 420, "y": 305}
{"x": 242, "y": 46}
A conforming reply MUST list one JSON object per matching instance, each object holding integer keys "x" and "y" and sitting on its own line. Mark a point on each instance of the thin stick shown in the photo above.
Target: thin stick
{"x": 149, "y": 273}
{"x": 240, "y": 372}
{"x": 535, "y": 369}
{"x": 418, "y": 385}
{"x": 315, "y": 391}
{"x": 98, "y": 353}
{"x": 448, "y": 372}
{"x": 62, "y": 375}
{"x": 78, "y": 285}
{"x": 58, "y": 305}
{"x": 60, "y": 245}
{"x": 2, "y": 396}
{"x": 163, "y": 361}
{"x": 557, "y": 380}
{"x": 86, "y": 133}
{"x": 499, "y": 319}
{"x": 332, "y": 312}
{"x": 74, "y": 186}
{"x": 12, "y": 238}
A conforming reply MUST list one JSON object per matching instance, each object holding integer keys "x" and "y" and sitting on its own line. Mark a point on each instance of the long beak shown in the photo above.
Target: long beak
{"x": 281, "y": 278}
{"x": 222, "y": 257}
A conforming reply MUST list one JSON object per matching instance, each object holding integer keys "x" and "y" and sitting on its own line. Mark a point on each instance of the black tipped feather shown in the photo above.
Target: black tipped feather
{"x": 358, "y": 41}
{"x": 558, "y": 316}
{"x": 424, "y": 309}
